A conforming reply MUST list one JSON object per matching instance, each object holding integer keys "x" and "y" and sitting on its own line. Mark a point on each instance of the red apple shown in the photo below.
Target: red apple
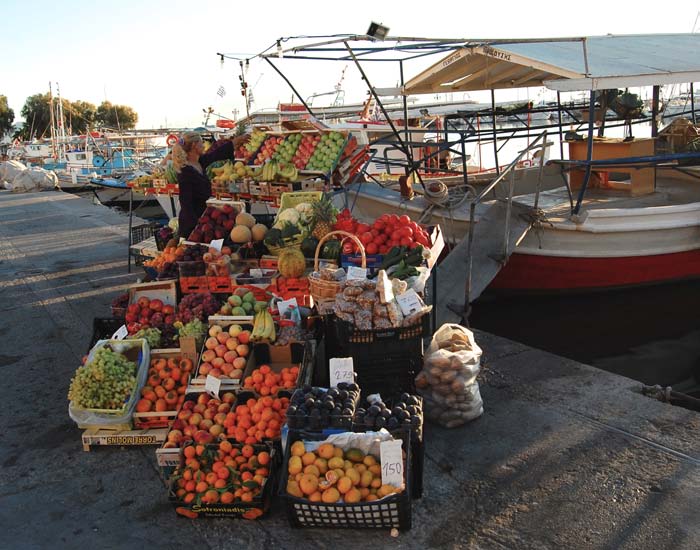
{"x": 208, "y": 355}
{"x": 230, "y": 356}
{"x": 143, "y": 302}
{"x": 156, "y": 304}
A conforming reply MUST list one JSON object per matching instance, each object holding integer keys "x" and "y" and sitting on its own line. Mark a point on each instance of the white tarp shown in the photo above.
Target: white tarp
{"x": 20, "y": 179}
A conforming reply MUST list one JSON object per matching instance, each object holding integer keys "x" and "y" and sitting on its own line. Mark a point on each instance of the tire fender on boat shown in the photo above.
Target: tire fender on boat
{"x": 171, "y": 140}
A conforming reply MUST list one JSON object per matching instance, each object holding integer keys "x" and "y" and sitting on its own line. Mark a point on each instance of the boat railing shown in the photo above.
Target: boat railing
{"x": 540, "y": 142}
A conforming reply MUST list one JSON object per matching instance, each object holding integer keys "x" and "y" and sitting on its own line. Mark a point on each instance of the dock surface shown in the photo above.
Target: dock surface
{"x": 565, "y": 455}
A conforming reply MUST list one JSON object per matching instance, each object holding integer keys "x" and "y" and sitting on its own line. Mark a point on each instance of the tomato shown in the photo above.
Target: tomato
{"x": 372, "y": 248}
{"x": 375, "y": 233}
{"x": 378, "y": 225}
{"x": 405, "y": 220}
{"x": 383, "y": 218}
{"x": 405, "y": 241}
{"x": 362, "y": 228}
{"x": 381, "y": 239}
{"x": 366, "y": 238}
{"x": 383, "y": 249}
{"x": 393, "y": 219}
{"x": 396, "y": 235}
{"x": 414, "y": 226}
{"x": 407, "y": 232}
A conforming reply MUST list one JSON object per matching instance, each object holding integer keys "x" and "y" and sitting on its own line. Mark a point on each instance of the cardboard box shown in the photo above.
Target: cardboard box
{"x": 162, "y": 290}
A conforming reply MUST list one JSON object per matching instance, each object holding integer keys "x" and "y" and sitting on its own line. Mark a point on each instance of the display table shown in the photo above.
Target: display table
{"x": 638, "y": 181}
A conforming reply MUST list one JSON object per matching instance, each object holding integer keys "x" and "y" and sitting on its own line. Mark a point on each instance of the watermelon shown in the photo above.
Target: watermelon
{"x": 331, "y": 251}
{"x": 308, "y": 247}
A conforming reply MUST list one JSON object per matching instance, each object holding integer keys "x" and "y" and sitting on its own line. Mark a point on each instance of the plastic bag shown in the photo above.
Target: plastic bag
{"x": 138, "y": 348}
{"x": 448, "y": 379}
{"x": 418, "y": 282}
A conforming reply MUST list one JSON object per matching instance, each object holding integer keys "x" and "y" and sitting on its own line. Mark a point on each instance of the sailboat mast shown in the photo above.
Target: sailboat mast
{"x": 52, "y": 122}
{"x": 61, "y": 125}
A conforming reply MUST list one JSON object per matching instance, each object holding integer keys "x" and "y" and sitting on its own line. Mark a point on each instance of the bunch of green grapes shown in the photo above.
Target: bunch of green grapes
{"x": 194, "y": 328}
{"x": 152, "y": 336}
{"x": 106, "y": 382}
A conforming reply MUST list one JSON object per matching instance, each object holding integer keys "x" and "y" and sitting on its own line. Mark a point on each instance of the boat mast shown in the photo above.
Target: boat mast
{"x": 52, "y": 122}
{"x": 61, "y": 125}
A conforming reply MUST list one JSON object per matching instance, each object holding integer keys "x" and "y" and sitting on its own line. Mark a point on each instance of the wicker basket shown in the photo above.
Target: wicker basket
{"x": 322, "y": 290}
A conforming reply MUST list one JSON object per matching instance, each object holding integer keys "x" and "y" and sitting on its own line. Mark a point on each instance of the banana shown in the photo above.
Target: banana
{"x": 273, "y": 334}
{"x": 267, "y": 319}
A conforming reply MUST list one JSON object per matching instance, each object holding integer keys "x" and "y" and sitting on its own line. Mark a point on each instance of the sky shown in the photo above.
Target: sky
{"x": 159, "y": 57}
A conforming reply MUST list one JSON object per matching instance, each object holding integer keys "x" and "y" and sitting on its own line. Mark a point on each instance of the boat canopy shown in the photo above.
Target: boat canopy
{"x": 564, "y": 64}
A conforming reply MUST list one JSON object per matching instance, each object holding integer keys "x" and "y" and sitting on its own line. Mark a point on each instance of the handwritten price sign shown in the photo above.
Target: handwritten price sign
{"x": 341, "y": 369}
{"x": 392, "y": 462}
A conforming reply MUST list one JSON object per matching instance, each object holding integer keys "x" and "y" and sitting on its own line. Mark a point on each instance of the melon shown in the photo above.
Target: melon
{"x": 245, "y": 219}
{"x": 241, "y": 234}
{"x": 259, "y": 231}
{"x": 291, "y": 263}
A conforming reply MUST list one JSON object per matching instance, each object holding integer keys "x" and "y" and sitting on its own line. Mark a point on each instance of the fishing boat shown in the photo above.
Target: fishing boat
{"x": 615, "y": 214}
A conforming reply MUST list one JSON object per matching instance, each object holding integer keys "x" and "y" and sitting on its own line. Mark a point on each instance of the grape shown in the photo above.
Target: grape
{"x": 106, "y": 382}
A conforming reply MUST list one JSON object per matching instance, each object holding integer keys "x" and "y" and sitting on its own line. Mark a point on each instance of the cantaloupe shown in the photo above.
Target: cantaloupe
{"x": 259, "y": 231}
{"x": 245, "y": 219}
{"x": 241, "y": 234}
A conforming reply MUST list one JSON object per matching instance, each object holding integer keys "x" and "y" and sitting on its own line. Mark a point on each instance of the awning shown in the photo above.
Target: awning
{"x": 565, "y": 64}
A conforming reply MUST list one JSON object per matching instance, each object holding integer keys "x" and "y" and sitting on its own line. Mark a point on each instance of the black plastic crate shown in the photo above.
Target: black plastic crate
{"x": 371, "y": 344}
{"x": 142, "y": 232}
{"x": 318, "y": 424}
{"x": 103, "y": 328}
{"x": 417, "y": 442}
{"x": 390, "y": 512}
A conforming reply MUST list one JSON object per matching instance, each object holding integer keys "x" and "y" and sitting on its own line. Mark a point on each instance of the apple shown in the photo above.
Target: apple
{"x": 235, "y": 330}
{"x": 184, "y": 415}
{"x": 217, "y": 362}
{"x": 203, "y": 398}
{"x": 131, "y": 317}
{"x": 211, "y": 343}
{"x": 206, "y": 424}
{"x": 209, "y": 414}
{"x": 214, "y": 330}
{"x": 221, "y": 349}
{"x": 224, "y": 407}
{"x": 169, "y": 319}
{"x": 143, "y": 302}
{"x": 168, "y": 309}
{"x": 133, "y": 308}
{"x": 242, "y": 350}
{"x": 208, "y": 355}
{"x": 239, "y": 363}
{"x": 244, "y": 337}
{"x": 195, "y": 419}
{"x": 230, "y": 356}
{"x": 222, "y": 337}
{"x": 156, "y": 305}
{"x": 188, "y": 405}
{"x": 216, "y": 430}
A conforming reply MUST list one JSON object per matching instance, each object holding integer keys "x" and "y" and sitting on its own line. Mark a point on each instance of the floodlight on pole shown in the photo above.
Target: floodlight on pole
{"x": 377, "y": 31}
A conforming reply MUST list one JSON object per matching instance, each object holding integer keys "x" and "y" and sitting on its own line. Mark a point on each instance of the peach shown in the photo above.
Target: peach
{"x": 227, "y": 368}
{"x": 215, "y": 330}
{"x": 209, "y": 414}
{"x": 211, "y": 343}
{"x": 224, "y": 408}
{"x": 229, "y": 397}
{"x": 189, "y": 430}
{"x": 236, "y": 373}
{"x": 203, "y": 436}
{"x": 175, "y": 435}
{"x": 239, "y": 363}
{"x": 189, "y": 405}
{"x": 184, "y": 414}
{"x": 242, "y": 350}
{"x": 203, "y": 398}
{"x": 195, "y": 419}
{"x": 216, "y": 430}
{"x": 219, "y": 418}
{"x": 208, "y": 355}
{"x": 206, "y": 424}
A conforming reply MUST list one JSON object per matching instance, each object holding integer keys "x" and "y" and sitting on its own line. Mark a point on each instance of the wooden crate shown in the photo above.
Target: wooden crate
{"x": 124, "y": 438}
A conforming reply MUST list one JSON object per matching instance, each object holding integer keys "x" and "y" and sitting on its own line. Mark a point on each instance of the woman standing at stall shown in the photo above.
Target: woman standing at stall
{"x": 190, "y": 163}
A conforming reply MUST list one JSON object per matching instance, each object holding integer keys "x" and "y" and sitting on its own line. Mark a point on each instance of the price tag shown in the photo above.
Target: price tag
{"x": 392, "y": 462}
{"x": 217, "y": 244}
{"x": 256, "y": 273}
{"x": 121, "y": 333}
{"x": 341, "y": 370}
{"x": 212, "y": 385}
{"x": 284, "y": 305}
{"x": 357, "y": 273}
{"x": 409, "y": 302}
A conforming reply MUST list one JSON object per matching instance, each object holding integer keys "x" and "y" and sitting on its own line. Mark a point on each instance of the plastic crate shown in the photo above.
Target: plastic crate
{"x": 417, "y": 441}
{"x": 189, "y": 285}
{"x": 387, "y": 375}
{"x": 348, "y": 333}
{"x": 310, "y": 424}
{"x": 393, "y": 511}
{"x": 142, "y": 232}
{"x": 191, "y": 269}
{"x": 254, "y": 509}
{"x": 103, "y": 328}
{"x": 220, "y": 284}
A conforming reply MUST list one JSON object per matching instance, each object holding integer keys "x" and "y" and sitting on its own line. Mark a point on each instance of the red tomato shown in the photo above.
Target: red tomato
{"x": 366, "y": 238}
{"x": 362, "y": 228}
{"x": 393, "y": 219}
{"x": 378, "y": 225}
{"x": 383, "y": 218}
{"x": 405, "y": 220}
{"x": 375, "y": 233}
{"x": 414, "y": 226}
{"x": 372, "y": 248}
{"x": 381, "y": 239}
{"x": 382, "y": 250}
{"x": 396, "y": 235}
{"x": 405, "y": 241}
{"x": 407, "y": 232}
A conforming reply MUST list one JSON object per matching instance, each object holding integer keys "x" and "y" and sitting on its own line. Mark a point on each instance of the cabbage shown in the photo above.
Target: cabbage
{"x": 289, "y": 215}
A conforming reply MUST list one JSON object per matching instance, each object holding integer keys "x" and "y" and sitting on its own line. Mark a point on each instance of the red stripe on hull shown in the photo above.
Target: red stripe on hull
{"x": 526, "y": 272}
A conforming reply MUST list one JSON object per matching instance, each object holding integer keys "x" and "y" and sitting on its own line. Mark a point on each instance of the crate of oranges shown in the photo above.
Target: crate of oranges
{"x": 272, "y": 369}
{"x": 224, "y": 480}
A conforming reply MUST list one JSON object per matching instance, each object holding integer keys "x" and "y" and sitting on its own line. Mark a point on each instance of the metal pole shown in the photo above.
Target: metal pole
{"x": 509, "y": 207}
{"x": 290, "y": 85}
{"x": 655, "y": 111}
{"x": 561, "y": 133}
{"x": 692, "y": 101}
{"x": 589, "y": 155}
{"x": 405, "y": 114}
{"x": 493, "y": 120}
{"x": 539, "y": 175}
{"x": 131, "y": 218}
{"x": 172, "y": 205}
{"x": 468, "y": 287}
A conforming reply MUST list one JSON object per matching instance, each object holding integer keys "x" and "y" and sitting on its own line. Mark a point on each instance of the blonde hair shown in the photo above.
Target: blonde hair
{"x": 183, "y": 146}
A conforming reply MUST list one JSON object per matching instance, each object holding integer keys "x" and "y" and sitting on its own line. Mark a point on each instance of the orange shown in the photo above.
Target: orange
{"x": 326, "y": 451}
{"x": 308, "y": 458}
{"x": 352, "y": 496}
{"x": 297, "y": 448}
{"x": 263, "y": 458}
{"x": 331, "y": 495}
{"x": 226, "y": 498}
{"x": 315, "y": 497}
{"x": 308, "y": 484}
{"x": 344, "y": 484}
